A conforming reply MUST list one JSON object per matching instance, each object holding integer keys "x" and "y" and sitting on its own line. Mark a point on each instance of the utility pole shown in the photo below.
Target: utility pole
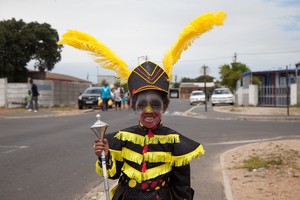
{"x": 287, "y": 91}
{"x": 204, "y": 68}
{"x": 234, "y": 57}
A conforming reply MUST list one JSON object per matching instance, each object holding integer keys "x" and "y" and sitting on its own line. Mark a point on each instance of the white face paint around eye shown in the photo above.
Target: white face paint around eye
{"x": 149, "y": 102}
{"x": 149, "y": 107}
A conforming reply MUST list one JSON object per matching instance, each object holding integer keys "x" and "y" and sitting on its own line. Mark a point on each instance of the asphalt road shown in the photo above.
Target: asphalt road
{"x": 52, "y": 158}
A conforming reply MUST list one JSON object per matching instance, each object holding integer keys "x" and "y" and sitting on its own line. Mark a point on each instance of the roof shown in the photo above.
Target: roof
{"x": 269, "y": 71}
{"x": 190, "y": 84}
{"x": 62, "y": 77}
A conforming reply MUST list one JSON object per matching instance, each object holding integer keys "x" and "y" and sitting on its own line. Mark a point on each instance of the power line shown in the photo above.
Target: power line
{"x": 268, "y": 53}
{"x": 206, "y": 59}
{"x": 234, "y": 57}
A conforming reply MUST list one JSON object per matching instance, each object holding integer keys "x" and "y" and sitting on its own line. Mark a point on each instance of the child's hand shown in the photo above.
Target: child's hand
{"x": 99, "y": 146}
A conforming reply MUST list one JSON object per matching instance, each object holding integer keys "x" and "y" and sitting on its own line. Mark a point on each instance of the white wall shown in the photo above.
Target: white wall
{"x": 293, "y": 92}
{"x": 3, "y": 99}
{"x": 52, "y": 93}
{"x": 253, "y": 95}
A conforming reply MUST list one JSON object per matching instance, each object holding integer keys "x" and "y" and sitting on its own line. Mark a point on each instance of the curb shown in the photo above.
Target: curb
{"x": 98, "y": 193}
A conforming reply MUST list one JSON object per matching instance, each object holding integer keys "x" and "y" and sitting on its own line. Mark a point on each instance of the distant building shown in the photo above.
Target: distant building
{"x": 186, "y": 88}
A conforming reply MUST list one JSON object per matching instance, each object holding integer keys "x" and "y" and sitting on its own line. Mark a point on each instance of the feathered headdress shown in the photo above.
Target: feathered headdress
{"x": 148, "y": 71}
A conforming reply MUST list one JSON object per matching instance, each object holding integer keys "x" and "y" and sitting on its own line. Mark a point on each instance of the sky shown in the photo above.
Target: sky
{"x": 264, "y": 34}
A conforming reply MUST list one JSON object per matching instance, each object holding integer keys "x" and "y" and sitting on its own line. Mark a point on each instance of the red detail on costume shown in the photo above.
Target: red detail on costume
{"x": 160, "y": 180}
{"x": 133, "y": 92}
{"x": 150, "y": 134}
{"x": 154, "y": 184}
{"x": 144, "y": 167}
{"x": 145, "y": 149}
{"x": 144, "y": 185}
{"x": 147, "y": 77}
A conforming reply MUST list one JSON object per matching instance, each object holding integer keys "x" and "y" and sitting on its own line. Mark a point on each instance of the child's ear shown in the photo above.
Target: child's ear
{"x": 166, "y": 105}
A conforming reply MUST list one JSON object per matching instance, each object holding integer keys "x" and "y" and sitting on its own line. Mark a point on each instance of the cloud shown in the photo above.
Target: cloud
{"x": 133, "y": 28}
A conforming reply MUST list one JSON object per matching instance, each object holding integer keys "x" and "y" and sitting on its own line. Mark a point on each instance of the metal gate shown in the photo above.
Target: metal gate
{"x": 273, "y": 96}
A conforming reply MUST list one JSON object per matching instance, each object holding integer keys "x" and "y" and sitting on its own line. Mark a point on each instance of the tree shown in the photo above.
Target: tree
{"x": 198, "y": 79}
{"x": 21, "y": 42}
{"x": 230, "y": 74}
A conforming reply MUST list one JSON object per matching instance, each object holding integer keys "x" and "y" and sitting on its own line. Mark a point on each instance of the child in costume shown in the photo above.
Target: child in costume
{"x": 150, "y": 160}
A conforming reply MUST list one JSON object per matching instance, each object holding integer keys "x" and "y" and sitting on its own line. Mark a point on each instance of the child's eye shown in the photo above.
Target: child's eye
{"x": 141, "y": 106}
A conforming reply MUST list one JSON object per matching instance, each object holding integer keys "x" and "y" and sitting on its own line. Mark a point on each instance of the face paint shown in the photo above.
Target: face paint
{"x": 149, "y": 107}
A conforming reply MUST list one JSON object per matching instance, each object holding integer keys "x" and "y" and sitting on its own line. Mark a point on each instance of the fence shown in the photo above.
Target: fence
{"x": 274, "y": 96}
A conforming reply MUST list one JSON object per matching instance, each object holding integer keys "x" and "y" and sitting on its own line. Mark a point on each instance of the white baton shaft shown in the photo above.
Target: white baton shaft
{"x": 106, "y": 186}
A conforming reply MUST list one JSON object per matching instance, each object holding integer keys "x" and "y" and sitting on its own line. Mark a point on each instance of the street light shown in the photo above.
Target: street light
{"x": 143, "y": 57}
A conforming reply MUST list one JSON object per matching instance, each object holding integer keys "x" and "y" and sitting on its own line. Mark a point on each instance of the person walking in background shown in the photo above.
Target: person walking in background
{"x": 35, "y": 94}
{"x": 125, "y": 100}
{"x": 105, "y": 94}
{"x": 117, "y": 97}
{"x": 28, "y": 100}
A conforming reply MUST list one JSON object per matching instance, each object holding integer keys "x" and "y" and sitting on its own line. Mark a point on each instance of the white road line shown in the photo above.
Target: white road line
{"x": 12, "y": 148}
{"x": 252, "y": 141}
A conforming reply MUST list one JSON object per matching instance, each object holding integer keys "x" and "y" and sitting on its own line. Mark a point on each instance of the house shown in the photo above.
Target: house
{"x": 279, "y": 87}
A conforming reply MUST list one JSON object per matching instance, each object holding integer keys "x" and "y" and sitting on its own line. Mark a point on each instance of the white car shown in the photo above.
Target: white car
{"x": 222, "y": 96}
{"x": 197, "y": 96}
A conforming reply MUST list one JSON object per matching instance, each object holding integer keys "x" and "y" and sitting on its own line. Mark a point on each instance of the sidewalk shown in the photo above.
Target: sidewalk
{"x": 245, "y": 113}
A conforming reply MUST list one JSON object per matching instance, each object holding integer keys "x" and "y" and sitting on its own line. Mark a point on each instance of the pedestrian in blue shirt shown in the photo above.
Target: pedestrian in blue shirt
{"x": 105, "y": 95}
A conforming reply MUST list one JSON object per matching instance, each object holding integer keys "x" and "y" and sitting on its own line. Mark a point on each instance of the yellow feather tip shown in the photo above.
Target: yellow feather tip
{"x": 190, "y": 33}
{"x": 105, "y": 57}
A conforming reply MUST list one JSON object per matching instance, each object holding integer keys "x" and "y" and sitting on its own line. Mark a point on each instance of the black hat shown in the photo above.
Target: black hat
{"x": 148, "y": 76}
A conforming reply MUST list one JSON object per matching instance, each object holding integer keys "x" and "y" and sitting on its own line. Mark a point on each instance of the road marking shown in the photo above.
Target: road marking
{"x": 252, "y": 141}
{"x": 11, "y": 148}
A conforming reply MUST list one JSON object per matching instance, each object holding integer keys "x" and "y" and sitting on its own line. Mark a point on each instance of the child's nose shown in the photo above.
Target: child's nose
{"x": 148, "y": 109}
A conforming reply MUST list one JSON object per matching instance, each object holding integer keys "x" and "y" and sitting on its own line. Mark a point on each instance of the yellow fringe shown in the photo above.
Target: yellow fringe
{"x": 185, "y": 159}
{"x": 110, "y": 172}
{"x": 132, "y": 155}
{"x": 105, "y": 57}
{"x": 142, "y": 140}
{"x": 149, "y": 174}
{"x": 117, "y": 155}
{"x": 189, "y": 34}
{"x": 153, "y": 157}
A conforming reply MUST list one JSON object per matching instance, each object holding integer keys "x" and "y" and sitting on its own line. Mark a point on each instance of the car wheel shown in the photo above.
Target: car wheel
{"x": 80, "y": 107}
{"x": 213, "y": 104}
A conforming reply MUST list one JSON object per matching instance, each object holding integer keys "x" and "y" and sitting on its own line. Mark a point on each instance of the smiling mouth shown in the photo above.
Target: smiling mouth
{"x": 149, "y": 119}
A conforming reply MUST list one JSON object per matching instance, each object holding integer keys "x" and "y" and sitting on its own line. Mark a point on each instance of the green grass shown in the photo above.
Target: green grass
{"x": 256, "y": 162}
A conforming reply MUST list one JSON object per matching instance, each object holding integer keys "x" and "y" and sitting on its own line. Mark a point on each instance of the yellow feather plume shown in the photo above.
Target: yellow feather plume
{"x": 105, "y": 57}
{"x": 189, "y": 34}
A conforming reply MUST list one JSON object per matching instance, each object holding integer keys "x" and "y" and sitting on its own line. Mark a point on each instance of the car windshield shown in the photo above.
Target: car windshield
{"x": 222, "y": 92}
{"x": 197, "y": 93}
{"x": 92, "y": 91}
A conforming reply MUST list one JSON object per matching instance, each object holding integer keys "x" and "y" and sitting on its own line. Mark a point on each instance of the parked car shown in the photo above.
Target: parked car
{"x": 89, "y": 98}
{"x": 197, "y": 96}
{"x": 222, "y": 96}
